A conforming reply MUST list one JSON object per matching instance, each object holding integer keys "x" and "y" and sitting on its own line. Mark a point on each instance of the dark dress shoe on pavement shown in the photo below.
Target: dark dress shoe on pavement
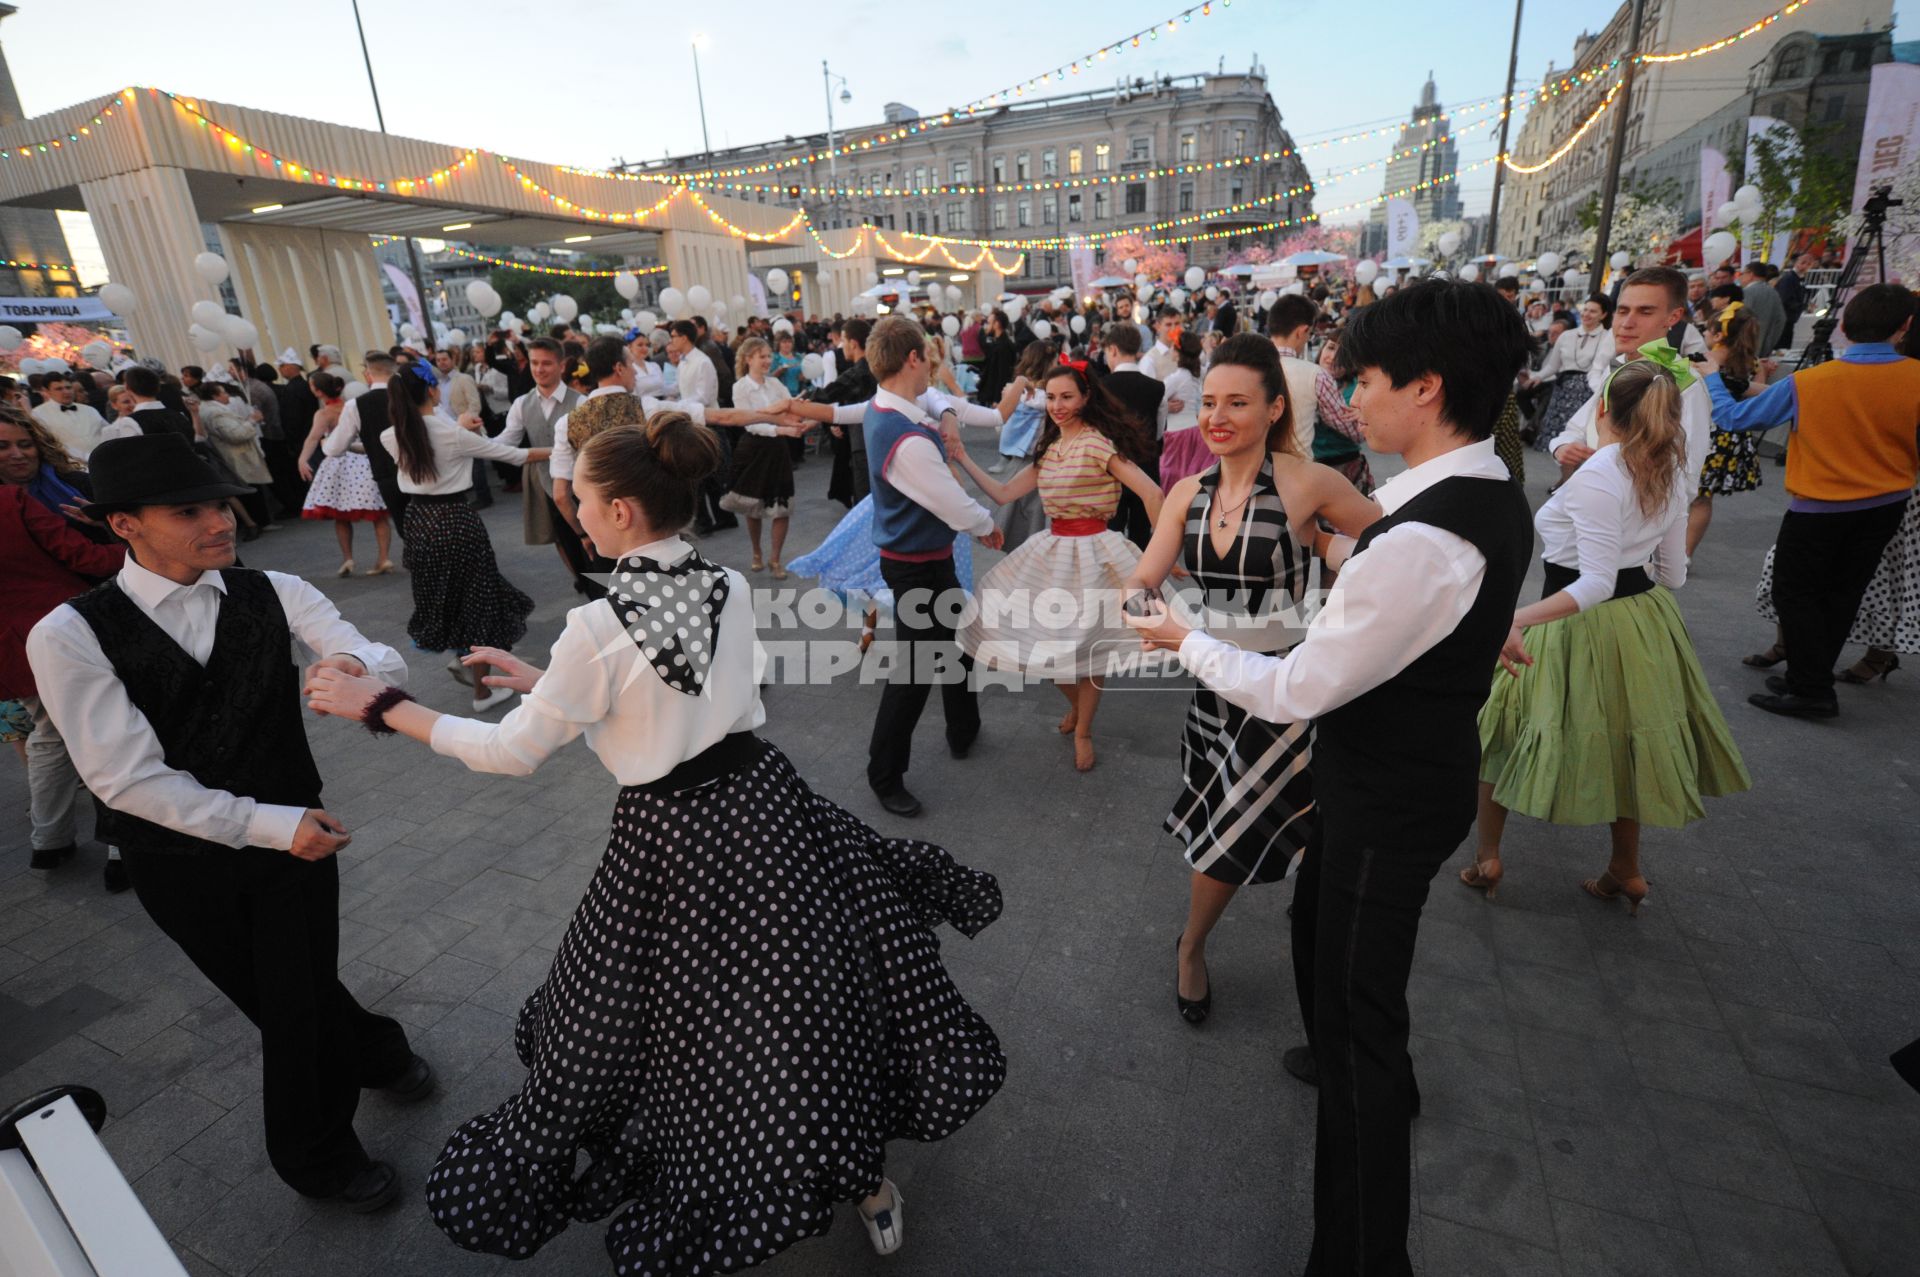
{"x": 1299, "y": 1061}
{"x": 900, "y": 803}
{"x": 50, "y": 857}
{"x": 1778, "y": 685}
{"x": 414, "y": 1083}
{"x": 1790, "y": 706}
{"x": 371, "y": 1188}
{"x": 114, "y": 878}
{"x": 960, "y": 748}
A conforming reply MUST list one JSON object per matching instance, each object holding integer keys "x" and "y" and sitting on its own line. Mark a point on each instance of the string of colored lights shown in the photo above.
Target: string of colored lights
{"x": 537, "y": 268}
{"x": 528, "y": 184}
{"x": 1573, "y": 139}
{"x": 1715, "y": 46}
{"x": 10, "y": 264}
{"x": 1306, "y": 219}
{"x": 105, "y": 113}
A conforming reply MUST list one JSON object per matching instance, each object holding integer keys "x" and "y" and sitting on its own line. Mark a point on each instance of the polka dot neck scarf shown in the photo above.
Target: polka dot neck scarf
{"x": 672, "y": 614}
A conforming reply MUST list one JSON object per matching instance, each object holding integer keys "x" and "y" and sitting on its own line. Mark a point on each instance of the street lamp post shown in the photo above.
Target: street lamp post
{"x": 699, "y": 94}
{"x": 413, "y": 253}
{"x": 827, "y": 77}
{"x": 1506, "y": 119}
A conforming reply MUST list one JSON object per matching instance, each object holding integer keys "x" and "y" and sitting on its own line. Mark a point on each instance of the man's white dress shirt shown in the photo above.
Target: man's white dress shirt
{"x": 560, "y": 464}
{"x": 76, "y": 425}
{"x": 699, "y": 382}
{"x": 918, "y": 468}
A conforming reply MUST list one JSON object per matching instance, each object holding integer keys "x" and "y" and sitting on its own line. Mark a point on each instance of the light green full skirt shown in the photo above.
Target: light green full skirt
{"x": 1613, "y": 720}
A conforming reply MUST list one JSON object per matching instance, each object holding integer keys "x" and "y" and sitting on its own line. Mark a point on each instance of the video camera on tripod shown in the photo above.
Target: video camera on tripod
{"x": 1872, "y": 238}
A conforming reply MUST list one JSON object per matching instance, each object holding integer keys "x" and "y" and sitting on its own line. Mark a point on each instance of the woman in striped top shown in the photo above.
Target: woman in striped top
{"x": 1051, "y": 609}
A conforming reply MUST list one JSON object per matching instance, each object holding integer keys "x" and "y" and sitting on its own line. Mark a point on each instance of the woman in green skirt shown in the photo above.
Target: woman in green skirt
{"x": 1612, "y": 722}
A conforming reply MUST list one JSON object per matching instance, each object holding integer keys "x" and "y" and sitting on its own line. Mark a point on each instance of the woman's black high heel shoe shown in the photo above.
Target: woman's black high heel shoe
{"x": 1192, "y": 1010}
{"x": 1876, "y": 664}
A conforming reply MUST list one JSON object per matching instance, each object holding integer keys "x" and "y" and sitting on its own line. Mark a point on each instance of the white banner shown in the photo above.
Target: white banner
{"x": 1891, "y": 139}
{"x": 408, "y": 297}
{"x": 1080, "y": 262}
{"x": 1716, "y": 185}
{"x": 1403, "y": 228}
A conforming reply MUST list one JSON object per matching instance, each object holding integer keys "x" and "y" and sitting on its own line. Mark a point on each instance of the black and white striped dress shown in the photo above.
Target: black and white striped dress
{"x": 1246, "y": 810}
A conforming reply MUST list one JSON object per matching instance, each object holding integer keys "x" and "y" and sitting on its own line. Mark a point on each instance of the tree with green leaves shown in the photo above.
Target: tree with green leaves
{"x": 1805, "y": 180}
{"x": 520, "y": 289}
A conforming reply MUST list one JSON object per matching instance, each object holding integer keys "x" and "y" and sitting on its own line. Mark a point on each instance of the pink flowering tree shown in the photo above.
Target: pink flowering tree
{"x": 1159, "y": 263}
{"x": 51, "y": 341}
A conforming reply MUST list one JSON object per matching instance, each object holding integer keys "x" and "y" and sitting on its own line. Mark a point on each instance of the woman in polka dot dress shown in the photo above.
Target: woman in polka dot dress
{"x": 749, "y": 1002}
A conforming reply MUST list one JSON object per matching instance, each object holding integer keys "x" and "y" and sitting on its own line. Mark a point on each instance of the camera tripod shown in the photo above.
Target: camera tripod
{"x": 1873, "y": 238}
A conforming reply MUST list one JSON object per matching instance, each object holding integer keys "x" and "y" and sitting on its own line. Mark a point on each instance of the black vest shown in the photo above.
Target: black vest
{"x": 233, "y": 726}
{"x": 1399, "y": 765}
{"x": 374, "y": 420}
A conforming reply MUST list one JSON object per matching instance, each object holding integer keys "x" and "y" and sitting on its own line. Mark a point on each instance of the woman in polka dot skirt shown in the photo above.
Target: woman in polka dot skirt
{"x": 749, "y": 1002}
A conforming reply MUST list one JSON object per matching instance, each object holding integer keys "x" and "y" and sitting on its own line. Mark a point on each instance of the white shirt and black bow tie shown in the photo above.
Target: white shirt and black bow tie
{"x": 76, "y": 425}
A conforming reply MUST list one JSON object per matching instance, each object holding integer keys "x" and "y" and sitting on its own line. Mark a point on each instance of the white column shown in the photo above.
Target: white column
{"x": 150, "y": 233}
{"x": 303, "y": 286}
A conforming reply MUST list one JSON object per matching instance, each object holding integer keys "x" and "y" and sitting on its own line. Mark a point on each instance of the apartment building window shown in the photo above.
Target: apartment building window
{"x": 1023, "y": 213}
{"x": 1102, "y": 205}
{"x": 956, "y": 217}
{"x": 1022, "y": 167}
{"x": 999, "y": 215}
{"x": 1051, "y": 265}
{"x": 1102, "y": 157}
{"x": 1236, "y": 191}
{"x": 1186, "y": 197}
{"x": 1239, "y": 141}
{"x": 1140, "y": 150}
{"x": 923, "y": 223}
{"x": 1073, "y": 208}
{"x": 962, "y": 171}
{"x": 1073, "y": 161}
{"x": 1049, "y": 211}
{"x": 1049, "y": 164}
{"x": 919, "y": 177}
{"x": 1186, "y": 148}
{"x": 1136, "y": 197}
{"x": 999, "y": 170}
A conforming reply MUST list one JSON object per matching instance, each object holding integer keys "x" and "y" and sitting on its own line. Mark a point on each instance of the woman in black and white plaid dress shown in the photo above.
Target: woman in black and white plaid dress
{"x": 1244, "y": 529}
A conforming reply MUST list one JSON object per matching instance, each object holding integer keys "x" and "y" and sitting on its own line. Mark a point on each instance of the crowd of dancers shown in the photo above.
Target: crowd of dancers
{"x": 749, "y": 1002}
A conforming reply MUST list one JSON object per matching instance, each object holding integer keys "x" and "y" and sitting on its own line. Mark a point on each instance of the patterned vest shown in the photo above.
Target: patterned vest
{"x": 590, "y": 416}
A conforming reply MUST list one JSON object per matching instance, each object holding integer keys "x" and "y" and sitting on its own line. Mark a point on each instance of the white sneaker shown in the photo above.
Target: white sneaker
{"x": 493, "y": 698}
{"x": 886, "y": 1229}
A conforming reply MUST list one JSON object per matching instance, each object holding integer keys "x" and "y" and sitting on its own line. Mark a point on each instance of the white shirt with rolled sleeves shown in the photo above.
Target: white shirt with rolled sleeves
{"x": 112, "y": 744}
{"x": 699, "y": 381}
{"x": 597, "y": 682}
{"x": 935, "y": 404}
{"x": 346, "y": 430}
{"x": 918, "y": 468}
{"x": 560, "y": 464}
{"x": 514, "y": 433}
{"x": 1696, "y": 417}
{"x": 1593, "y": 523}
{"x": 454, "y": 448}
{"x": 1411, "y": 588}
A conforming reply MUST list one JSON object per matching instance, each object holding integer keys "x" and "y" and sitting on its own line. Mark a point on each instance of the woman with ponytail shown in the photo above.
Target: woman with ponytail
{"x": 460, "y": 600}
{"x": 749, "y": 1002}
{"x": 1611, "y": 721}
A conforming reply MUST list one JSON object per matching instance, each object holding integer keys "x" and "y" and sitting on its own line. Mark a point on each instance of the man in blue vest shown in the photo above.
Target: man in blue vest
{"x": 918, "y": 506}
{"x": 1393, "y": 672}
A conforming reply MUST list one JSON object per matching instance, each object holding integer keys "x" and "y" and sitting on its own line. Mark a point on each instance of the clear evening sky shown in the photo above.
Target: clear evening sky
{"x": 589, "y": 81}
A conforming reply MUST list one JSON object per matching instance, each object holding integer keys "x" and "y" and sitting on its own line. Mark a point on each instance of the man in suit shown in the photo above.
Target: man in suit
{"x": 76, "y": 425}
{"x": 1145, "y": 400}
{"x": 152, "y": 416}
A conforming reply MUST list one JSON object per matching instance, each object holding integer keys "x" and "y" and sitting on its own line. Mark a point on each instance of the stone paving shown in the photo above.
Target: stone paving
{"x": 1703, "y": 1090}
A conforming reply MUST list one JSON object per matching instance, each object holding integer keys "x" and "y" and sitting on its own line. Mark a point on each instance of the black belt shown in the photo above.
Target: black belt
{"x": 440, "y": 498}
{"x": 1627, "y": 582}
{"x": 734, "y": 752}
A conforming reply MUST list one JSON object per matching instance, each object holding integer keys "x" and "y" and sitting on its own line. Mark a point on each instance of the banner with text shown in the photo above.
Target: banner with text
{"x": 1403, "y": 228}
{"x": 1890, "y": 141}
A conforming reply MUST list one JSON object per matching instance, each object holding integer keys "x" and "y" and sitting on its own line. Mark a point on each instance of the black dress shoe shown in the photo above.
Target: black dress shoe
{"x": 414, "y": 1083}
{"x": 899, "y": 802}
{"x": 1192, "y": 1010}
{"x": 50, "y": 857}
{"x": 960, "y": 748}
{"x": 1299, "y": 1061}
{"x": 1778, "y": 685}
{"x": 374, "y": 1186}
{"x": 114, "y": 878}
{"x": 1791, "y": 706}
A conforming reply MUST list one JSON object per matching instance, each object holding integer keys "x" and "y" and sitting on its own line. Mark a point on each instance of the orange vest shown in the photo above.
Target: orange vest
{"x": 1855, "y": 436}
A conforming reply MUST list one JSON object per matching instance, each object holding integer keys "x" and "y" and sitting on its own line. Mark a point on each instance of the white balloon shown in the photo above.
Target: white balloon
{"x": 584, "y": 323}
{"x": 1450, "y": 243}
{"x": 777, "y": 281}
{"x": 477, "y": 290}
{"x": 97, "y": 353}
{"x": 1265, "y": 300}
{"x": 1748, "y": 197}
{"x": 204, "y": 338}
{"x": 1470, "y": 272}
{"x": 1718, "y": 248}
{"x": 565, "y": 308}
{"x": 1195, "y": 277}
{"x": 1078, "y": 323}
{"x": 1620, "y": 259}
{"x": 1140, "y": 280}
{"x": 1131, "y": 265}
{"x": 1547, "y": 263}
{"x": 456, "y": 337}
{"x": 913, "y": 279}
{"x": 950, "y": 326}
{"x": 627, "y": 284}
{"x": 1041, "y": 328}
{"x": 658, "y": 338}
{"x": 647, "y": 320}
{"x": 1177, "y": 298}
{"x": 208, "y": 314}
{"x": 1381, "y": 285}
{"x": 811, "y": 368}
{"x": 1144, "y": 293}
{"x": 1365, "y": 272}
{"x": 782, "y": 326}
{"x": 353, "y": 390}
{"x": 119, "y": 299}
{"x": 29, "y": 366}
{"x": 953, "y": 294}
{"x": 490, "y": 304}
{"x": 10, "y": 337}
{"x": 698, "y": 297}
{"x": 239, "y": 331}
{"x": 1213, "y": 293}
{"x": 873, "y": 277}
{"x": 211, "y": 267}
{"x": 1574, "y": 281}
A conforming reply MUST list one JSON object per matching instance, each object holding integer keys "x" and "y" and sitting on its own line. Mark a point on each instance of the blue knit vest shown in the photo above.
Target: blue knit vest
{"x": 902, "y": 528}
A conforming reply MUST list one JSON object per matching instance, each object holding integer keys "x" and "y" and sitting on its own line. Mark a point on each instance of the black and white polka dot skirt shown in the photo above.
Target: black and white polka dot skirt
{"x": 459, "y": 597}
{"x": 748, "y": 1005}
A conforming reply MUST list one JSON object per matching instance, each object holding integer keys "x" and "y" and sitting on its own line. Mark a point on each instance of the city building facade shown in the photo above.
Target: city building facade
{"x": 1425, "y": 157}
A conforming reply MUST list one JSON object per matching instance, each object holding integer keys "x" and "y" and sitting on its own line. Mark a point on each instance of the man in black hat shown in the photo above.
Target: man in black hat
{"x": 173, "y": 687}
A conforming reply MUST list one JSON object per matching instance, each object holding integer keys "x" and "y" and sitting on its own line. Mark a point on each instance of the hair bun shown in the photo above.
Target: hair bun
{"x": 684, "y": 450}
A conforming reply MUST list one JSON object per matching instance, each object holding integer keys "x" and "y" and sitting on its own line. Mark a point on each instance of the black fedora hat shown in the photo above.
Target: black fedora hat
{"x": 151, "y": 470}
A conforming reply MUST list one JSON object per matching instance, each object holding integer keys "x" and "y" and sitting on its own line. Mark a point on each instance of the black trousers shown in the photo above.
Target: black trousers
{"x": 395, "y": 501}
{"x": 264, "y": 927}
{"x": 923, "y": 638}
{"x": 1356, "y": 916}
{"x": 585, "y": 567}
{"x": 1822, "y": 565}
{"x": 287, "y": 488}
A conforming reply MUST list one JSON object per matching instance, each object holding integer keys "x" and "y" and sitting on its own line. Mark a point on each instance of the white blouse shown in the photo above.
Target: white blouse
{"x": 1185, "y": 387}
{"x": 597, "y": 682}
{"x": 1576, "y": 351}
{"x": 454, "y": 448}
{"x": 1594, "y": 523}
